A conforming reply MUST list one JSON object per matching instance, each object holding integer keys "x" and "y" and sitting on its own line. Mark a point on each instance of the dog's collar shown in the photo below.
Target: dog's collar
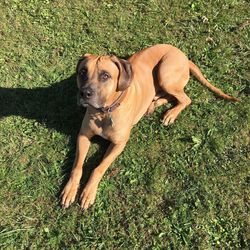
{"x": 115, "y": 104}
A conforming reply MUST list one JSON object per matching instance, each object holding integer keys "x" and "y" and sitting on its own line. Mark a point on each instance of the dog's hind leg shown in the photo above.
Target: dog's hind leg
{"x": 173, "y": 75}
{"x": 183, "y": 101}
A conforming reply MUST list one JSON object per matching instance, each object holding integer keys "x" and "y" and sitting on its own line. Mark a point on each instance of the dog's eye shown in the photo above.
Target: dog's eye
{"x": 105, "y": 76}
{"x": 83, "y": 74}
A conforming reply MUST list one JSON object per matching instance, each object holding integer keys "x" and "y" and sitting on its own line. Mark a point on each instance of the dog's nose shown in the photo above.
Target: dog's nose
{"x": 87, "y": 92}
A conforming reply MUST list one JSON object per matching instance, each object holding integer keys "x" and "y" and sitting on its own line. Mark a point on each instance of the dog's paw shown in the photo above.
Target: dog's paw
{"x": 69, "y": 194}
{"x": 88, "y": 195}
{"x": 169, "y": 117}
{"x": 150, "y": 110}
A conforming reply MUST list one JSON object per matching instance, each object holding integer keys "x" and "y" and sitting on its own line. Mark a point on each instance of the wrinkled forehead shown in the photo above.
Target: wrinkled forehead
{"x": 95, "y": 64}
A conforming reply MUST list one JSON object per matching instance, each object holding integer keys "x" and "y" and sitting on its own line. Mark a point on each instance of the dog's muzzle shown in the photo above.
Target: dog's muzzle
{"x": 81, "y": 102}
{"x": 87, "y": 93}
{"x": 86, "y": 97}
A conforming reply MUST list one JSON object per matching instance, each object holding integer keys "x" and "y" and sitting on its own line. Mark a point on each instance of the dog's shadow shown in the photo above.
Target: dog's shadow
{"x": 56, "y": 108}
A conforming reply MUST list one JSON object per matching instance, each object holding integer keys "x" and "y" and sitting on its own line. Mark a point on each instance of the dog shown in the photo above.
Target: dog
{"x": 117, "y": 93}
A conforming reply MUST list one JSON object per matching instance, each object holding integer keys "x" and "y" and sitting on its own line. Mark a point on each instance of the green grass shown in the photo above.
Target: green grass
{"x": 181, "y": 187}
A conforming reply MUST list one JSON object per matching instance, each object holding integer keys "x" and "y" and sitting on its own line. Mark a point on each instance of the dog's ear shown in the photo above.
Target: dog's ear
{"x": 125, "y": 73}
{"x": 83, "y": 58}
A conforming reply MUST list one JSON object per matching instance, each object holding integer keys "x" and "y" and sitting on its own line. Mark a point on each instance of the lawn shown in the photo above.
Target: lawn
{"x": 185, "y": 186}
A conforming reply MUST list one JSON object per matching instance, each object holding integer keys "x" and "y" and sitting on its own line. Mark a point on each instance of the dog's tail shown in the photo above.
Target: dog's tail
{"x": 198, "y": 75}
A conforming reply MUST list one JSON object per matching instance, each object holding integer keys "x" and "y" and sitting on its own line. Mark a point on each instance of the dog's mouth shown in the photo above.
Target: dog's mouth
{"x": 86, "y": 102}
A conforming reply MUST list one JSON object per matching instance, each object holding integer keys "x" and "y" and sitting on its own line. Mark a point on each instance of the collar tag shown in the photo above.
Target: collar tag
{"x": 111, "y": 121}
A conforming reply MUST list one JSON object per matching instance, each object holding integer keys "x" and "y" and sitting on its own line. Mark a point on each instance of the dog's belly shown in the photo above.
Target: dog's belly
{"x": 147, "y": 94}
{"x": 142, "y": 111}
{"x": 144, "y": 93}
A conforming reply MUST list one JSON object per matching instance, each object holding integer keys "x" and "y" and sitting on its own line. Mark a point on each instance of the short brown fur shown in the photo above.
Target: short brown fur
{"x": 159, "y": 74}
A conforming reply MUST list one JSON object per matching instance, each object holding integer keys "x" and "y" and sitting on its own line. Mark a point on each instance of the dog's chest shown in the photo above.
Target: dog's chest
{"x": 114, "y": 126}
{"x": 103, "y": 126}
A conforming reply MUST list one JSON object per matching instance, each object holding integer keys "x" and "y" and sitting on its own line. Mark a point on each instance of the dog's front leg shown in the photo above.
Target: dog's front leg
{"x": 89, "y": 193}
{"x": 70, "y": 190}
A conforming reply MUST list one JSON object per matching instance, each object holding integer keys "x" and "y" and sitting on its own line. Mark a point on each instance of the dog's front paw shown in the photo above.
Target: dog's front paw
{"x": 69, "y": 194}
{"x": 88, "y": 195}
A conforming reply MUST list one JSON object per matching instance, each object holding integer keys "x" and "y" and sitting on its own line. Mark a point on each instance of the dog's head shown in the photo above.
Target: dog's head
{"x": 99, "y": 78}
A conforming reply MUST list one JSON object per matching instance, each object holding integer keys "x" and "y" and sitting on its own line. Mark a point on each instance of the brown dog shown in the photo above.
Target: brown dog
{"x": 117, "y": 93}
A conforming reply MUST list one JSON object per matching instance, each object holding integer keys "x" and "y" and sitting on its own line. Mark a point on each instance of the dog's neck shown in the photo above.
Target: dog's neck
{"x": 115, "y": 104}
